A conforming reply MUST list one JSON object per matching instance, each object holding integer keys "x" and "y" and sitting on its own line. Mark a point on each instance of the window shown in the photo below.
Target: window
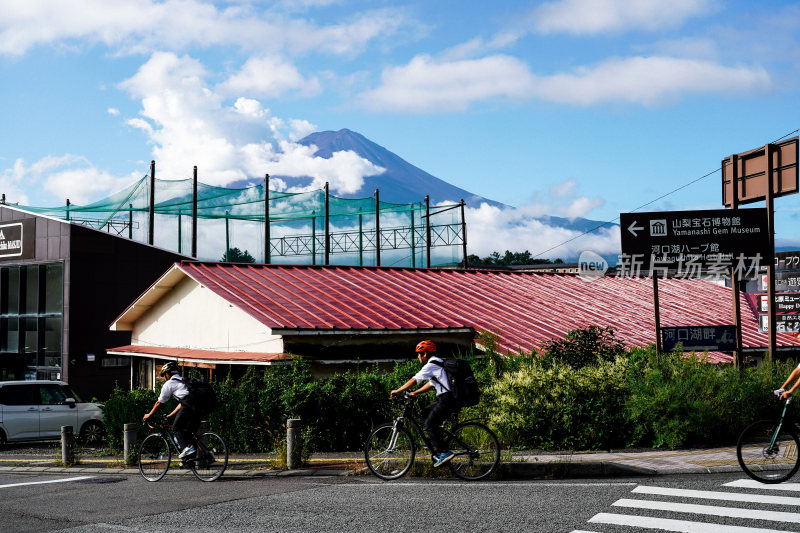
{"x": 20, "y": 395}
{"x": 31, "y": 321}
{"x": 52, "y": 395}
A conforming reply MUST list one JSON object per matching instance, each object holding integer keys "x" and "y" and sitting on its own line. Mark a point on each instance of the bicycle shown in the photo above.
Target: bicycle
{"x": 155, "y": 454}
{"x": 390, "y": 449}
{"x": 767, "y": 449}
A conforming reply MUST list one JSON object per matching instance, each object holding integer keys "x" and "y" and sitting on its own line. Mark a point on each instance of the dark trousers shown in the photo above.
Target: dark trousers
{"x": 435, "y": 414}
{"x": 185, "y": 426}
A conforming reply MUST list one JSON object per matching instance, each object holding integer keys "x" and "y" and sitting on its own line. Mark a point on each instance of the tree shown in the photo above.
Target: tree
{"x": 235, "y": 255}
{"x": 510, "y": 258}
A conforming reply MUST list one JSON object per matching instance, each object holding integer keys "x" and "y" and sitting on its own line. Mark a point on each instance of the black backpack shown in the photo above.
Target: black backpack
{"x": 202, "y": 397}
{"x": 462, "y": 383}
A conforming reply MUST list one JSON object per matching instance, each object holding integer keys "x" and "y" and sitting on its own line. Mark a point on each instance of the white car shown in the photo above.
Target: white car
{"x": 36, "y": 410}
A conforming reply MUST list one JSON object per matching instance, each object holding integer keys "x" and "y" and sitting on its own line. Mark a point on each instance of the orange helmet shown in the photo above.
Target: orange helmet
{"x": 425, "y": 346}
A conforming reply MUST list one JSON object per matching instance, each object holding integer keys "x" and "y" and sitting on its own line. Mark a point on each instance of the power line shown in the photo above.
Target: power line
{"x": 612, "y": 221}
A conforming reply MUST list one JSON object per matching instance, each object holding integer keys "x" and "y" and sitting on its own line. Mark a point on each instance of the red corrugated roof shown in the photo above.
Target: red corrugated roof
{"x": 524, "y": 308}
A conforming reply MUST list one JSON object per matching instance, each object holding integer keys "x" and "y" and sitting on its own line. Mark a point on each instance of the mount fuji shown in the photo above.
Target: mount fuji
{"x": 403, "y": 182}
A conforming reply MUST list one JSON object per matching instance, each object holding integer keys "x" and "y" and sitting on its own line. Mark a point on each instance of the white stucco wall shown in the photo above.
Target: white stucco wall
{"x": 191, "y": 316}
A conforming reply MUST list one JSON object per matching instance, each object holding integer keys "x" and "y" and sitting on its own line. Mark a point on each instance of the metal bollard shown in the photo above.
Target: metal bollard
{"x": 129, "y": 443}
{"x": 67, "y": 446}
{"x": 294, "y": 443}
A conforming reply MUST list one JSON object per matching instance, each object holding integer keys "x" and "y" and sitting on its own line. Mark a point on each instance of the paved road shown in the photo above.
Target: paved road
{"x": 696, "y": 503}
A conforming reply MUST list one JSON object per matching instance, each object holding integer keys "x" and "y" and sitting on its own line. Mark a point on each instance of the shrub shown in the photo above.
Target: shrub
{"x": 680, "y": 401}
{"x": 555, "y": 406}
{"x": 126, "y": 407}
{"x": 585, "y": 346}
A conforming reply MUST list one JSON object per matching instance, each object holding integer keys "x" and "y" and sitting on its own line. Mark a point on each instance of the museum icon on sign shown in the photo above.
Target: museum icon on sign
{"x": 658, "y": 228}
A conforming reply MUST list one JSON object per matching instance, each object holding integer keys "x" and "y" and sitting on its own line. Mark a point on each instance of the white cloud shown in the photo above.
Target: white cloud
{"x": 142, "y": 26}
{"x": 269, "y": 77}
{"x": 188, "y": 123}
{"x": 648, "y": 81}
{"x": 587, "y": 17}
{"x": 426, "y": 84}
{"x": 113, "y": 111}
{"x": 491, "y": 229}
{"x": 64, "y": 177}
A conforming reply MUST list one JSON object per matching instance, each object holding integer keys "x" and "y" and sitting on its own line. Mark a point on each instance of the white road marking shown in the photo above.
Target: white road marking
{"x": 715, "y": 495}
{"x": 753, "y": 484}
{"x": 666, "y": 524}
{"x": 64, "y": 480}
{"x": 710, "y": 510}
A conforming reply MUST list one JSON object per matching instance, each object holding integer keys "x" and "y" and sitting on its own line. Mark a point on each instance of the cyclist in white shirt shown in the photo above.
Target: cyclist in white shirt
{"x": 442, "y": 407}
{"x": 187, "y": 419}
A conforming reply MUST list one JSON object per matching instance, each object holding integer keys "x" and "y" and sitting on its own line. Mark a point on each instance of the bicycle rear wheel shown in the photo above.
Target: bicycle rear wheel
{"x": 764, "y": 461}
{"x": 154, "y": 457}
{"x": 476, "y": 449}
{"x": 389, "y": 452}
{"x": 212, "y": 457}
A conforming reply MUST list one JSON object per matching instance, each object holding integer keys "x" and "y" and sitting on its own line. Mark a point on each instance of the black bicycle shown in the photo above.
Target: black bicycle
{"x": 390, "y": 449}
{"x": 155, "y": 454}
{"x": 767, "y": 449}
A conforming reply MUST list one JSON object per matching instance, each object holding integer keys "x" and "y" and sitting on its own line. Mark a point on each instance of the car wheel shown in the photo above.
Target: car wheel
{"x": 2, "y": 438}
{"x": 92, "y": 432}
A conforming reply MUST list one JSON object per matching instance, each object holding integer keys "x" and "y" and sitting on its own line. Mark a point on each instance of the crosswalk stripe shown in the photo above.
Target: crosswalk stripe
{"x": 668, "y": 524}
{"x": 710, "y": 510}
{"x": 753, "y": 484}
{"x": 718, "y": 495}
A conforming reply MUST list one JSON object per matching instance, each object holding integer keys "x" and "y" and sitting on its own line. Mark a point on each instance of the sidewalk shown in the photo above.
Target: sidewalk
{"x": 523, "y": 465}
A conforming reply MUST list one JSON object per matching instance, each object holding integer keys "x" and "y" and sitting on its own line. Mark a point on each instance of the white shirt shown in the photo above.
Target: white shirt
{"x": 173, "y": 387}
{"x": 430, "y": 371}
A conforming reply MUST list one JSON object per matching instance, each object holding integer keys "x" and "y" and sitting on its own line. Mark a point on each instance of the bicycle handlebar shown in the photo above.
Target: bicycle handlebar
{"x": 163, "y": 422}
{"x": 406, "y": 397}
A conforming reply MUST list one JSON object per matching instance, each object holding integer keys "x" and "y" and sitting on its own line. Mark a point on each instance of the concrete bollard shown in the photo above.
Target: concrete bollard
{"x": 129, "y": 443}
{"x": 67, "y": 446}
{"x": 294, "y": 443}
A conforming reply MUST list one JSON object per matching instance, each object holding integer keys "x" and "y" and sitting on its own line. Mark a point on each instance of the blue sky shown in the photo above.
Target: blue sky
{"x": 568, "y": 107}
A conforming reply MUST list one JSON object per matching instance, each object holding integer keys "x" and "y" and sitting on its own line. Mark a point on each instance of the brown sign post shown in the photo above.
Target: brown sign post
{"x": 762, "y": 174}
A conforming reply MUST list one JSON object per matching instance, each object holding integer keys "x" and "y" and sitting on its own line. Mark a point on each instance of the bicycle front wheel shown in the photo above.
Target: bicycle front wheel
{"x": 767, "y": 454}
{"x": 154, "y": 457}
{"x": 389, "y": 452}
{"x": 211, "y": 459}
{"x": 476, "y": 449}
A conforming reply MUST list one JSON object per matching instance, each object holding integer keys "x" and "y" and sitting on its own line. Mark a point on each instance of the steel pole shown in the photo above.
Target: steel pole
{"x": 152, "y": 208}
{"x": 194, "y": 212}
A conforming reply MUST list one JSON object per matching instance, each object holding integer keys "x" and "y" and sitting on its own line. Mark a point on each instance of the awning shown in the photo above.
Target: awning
{"x": 190, "y": 355}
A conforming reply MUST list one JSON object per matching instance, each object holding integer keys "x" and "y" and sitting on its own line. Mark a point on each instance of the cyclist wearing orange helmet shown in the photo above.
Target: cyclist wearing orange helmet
{"x": 442, "y": 407}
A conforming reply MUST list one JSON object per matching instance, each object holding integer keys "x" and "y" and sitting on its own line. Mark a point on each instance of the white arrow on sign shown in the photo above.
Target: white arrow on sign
{"x": 633, "y": 228}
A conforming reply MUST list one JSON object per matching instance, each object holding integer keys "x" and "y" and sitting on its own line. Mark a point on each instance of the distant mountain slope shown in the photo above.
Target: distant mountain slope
{"x": 402, "y": 182}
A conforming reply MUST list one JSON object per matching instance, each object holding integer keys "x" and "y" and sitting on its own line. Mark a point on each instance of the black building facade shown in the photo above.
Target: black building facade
{"x": 61, "y": 285}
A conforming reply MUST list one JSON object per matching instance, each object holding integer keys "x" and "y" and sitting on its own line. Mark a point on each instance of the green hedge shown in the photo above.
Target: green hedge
{"x": 584, "y": 394}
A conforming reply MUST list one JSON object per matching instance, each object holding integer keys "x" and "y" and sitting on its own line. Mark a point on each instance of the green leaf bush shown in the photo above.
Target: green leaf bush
{"x": 583, "y": 392}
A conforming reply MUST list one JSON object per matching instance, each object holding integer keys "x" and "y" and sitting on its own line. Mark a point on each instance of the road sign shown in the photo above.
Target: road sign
{"x": 703, "y": 240}
{"x": 783, "y": 323}
{"x": 700, "y": 338}
{"x": 785, "y": 302}
{"x": 749, "y": 171}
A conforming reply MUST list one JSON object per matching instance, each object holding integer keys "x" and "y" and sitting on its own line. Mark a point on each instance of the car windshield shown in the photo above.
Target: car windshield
{"x": 71, "y": 393}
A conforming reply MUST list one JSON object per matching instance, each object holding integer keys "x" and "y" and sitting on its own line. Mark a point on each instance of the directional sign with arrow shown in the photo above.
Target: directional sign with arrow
{"x": 633, "y": 228}
{"x": 670, "y": 239}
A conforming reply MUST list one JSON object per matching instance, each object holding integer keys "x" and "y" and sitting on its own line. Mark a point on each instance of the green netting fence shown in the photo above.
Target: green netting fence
{"x": 230, "y": 224}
